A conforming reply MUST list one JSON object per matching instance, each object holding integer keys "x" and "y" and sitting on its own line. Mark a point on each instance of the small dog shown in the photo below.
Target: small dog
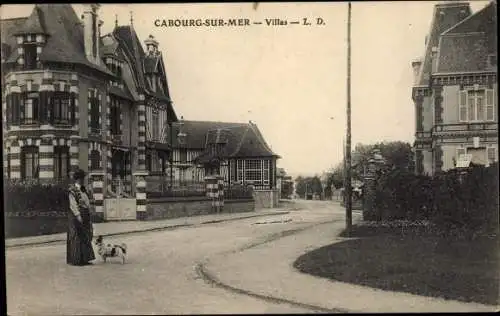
{"x": 109, "y": 250}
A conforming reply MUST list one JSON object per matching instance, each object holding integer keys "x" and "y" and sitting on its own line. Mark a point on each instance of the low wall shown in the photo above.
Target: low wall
{"x": 266, "y": 199}
{"x": 34, "y": 226}
{"x": 162, "y": 208}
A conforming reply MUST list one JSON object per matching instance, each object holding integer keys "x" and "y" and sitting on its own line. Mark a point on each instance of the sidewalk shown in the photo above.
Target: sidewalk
{"x": 267, "y": 271}
{"x": 129, "y": 227}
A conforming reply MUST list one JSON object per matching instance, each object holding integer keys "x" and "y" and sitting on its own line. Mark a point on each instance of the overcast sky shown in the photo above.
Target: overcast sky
{"x": 289, "y": 80}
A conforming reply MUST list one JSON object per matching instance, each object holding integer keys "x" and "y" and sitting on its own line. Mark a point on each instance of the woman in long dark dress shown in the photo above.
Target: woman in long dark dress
{"x": 79, "y": 251}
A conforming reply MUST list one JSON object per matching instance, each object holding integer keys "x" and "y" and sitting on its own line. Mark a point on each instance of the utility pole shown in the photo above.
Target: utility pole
{"x": 348, "y": 185}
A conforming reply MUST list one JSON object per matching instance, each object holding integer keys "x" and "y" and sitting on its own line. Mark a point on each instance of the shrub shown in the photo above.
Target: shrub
{"x": 35, "y": 208}
{"x": 454, "y": 201}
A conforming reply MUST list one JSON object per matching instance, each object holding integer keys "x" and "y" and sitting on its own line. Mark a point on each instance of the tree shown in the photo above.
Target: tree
{"x": 310, "y": 185}
{"x": 398, "y": 155}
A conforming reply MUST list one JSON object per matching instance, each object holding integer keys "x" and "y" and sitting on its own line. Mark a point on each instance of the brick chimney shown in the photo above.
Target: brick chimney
{"x": 91, "y": 30}
{"x": 417, "y": 66}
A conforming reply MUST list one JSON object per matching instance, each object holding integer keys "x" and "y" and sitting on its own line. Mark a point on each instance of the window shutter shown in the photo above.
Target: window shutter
{"x": 22, "y": 112}
{"x": 72, "y": 109}
{"x": 8, "y": 110}
{"x": 50, "y": 106}
{"x": 15, "y": 108}
{"x": 43, "y": 107}
{"x": 36, "y": 108}
{"x": 462, "y": 106}
{"x": 490, "y": 106}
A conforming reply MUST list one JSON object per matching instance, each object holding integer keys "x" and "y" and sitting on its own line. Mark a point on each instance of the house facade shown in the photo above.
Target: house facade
{"x": 73, "y": 97}
{"x": 455, "y": 91}
{"x": 237, "y": 152}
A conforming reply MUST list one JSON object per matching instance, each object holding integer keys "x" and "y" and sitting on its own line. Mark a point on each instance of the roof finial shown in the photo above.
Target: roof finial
{"x": 116, "y": 20}
{"x": 131, "y": 18}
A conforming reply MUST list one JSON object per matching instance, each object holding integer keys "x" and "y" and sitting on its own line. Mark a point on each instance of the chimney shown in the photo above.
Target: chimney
{"x": 434, "y": 59}
{"x": 91, "y": 32}
{"x": 416, "y": 65}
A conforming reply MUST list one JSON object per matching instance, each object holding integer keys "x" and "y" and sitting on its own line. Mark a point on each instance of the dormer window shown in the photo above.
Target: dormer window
{"x": 30, "y": 56}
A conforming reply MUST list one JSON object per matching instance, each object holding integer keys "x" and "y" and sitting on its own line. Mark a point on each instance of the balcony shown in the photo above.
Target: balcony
{"x": 466, "y": 128}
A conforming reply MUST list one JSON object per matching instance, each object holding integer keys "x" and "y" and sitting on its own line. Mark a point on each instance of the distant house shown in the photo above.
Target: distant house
{"x": 236, "y": 151}
{"x": 456, "y": 90}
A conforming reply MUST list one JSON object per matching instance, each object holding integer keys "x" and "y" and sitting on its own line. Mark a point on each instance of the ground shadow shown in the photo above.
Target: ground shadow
{"x": 462, "y": 270}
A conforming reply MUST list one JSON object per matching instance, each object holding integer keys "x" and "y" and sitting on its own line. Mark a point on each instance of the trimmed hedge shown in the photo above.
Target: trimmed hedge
{"x": 35, "y": 208}
{"x": 451, "y": 200}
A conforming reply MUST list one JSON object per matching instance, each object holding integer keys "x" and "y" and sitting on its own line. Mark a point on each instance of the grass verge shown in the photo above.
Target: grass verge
{"x": 413, "y": 260}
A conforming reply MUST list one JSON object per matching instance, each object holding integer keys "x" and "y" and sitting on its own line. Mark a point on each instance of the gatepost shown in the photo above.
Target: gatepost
{"x": 96, "y": 182}
{"x": 370, "y": 211}
{"x": 215, "y": 191}
{"x": 141, "y": 199}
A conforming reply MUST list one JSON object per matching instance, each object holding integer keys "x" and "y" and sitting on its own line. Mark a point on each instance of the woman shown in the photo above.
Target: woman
{"x": 79, "y": 251}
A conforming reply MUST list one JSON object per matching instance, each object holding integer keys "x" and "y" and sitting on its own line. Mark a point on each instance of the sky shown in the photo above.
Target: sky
{"x": 289, "y": 80}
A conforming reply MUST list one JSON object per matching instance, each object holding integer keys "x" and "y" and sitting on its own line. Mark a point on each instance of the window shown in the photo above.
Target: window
{"x": 30, "y": 56}
{"x": 183, "y": 155}
{"x": 239, "y": 170}
{"x": 492, "y": 154}
{"x": 29, "y": 107}
{"x": 476, "y": 105}
{"x": 61, "y": 162}
{"x": 61, "y": 108}
{"x": 115, "y": 117}
{"x": 29, "y": 162}
{"x": 253, "y": 171}
{"x": 156, "y": 126}
{"x": 265, "y": 171}
{"x": 95, "y": 160}
{"x": 94, "y": 112}
{"x": 461, "y": 152}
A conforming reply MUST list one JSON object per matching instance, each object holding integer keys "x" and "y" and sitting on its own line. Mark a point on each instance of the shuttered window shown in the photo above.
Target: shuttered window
{"x": 490, "y": 105}
{"x": 462, "y": 106}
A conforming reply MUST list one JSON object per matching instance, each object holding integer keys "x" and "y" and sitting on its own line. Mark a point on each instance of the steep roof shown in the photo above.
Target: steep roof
{"x": 65, "y": 35}
{"x": 444, "y": 17}
{"x": 238, "y": 140}
{"x": 35, "y": 23}
{"x": 196, "y": 132}
{"x": 132, "y": 47}
{"x": 8, "y": 27}
{"x": 465, "y": 47}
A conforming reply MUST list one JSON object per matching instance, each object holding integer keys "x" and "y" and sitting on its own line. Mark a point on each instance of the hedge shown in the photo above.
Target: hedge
{"x": 451, "y": 200}
{"x": 35, "y": 208}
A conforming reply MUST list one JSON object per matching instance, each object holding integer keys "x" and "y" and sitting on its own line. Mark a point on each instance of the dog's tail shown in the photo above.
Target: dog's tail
{"x": 124, "y": 247}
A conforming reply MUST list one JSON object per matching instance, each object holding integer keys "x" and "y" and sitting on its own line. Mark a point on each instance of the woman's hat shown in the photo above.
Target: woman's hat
{"x": 79, "y": 174}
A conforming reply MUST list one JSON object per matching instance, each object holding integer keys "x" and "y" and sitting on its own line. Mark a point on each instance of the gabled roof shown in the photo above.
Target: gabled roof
{"x": 465, "y": 47}
{"x": 132, "y": 47}
{"x": 237, "y": 140}
{"x": 445, "y": 16}
{"x": 65, "y": 36}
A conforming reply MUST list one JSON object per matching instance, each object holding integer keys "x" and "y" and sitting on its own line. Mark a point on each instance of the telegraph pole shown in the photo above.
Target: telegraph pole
{"x": 348, "y": 185}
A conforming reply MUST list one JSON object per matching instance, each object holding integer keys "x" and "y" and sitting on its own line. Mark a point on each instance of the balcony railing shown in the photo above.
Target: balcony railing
{"x": 464, "y": 127}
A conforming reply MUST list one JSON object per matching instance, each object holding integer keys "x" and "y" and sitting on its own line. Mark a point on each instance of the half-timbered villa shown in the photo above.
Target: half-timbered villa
{"x": 456, "y": 90}
{"x": 73, "y": 97}
{"x": 236, "y": 151}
